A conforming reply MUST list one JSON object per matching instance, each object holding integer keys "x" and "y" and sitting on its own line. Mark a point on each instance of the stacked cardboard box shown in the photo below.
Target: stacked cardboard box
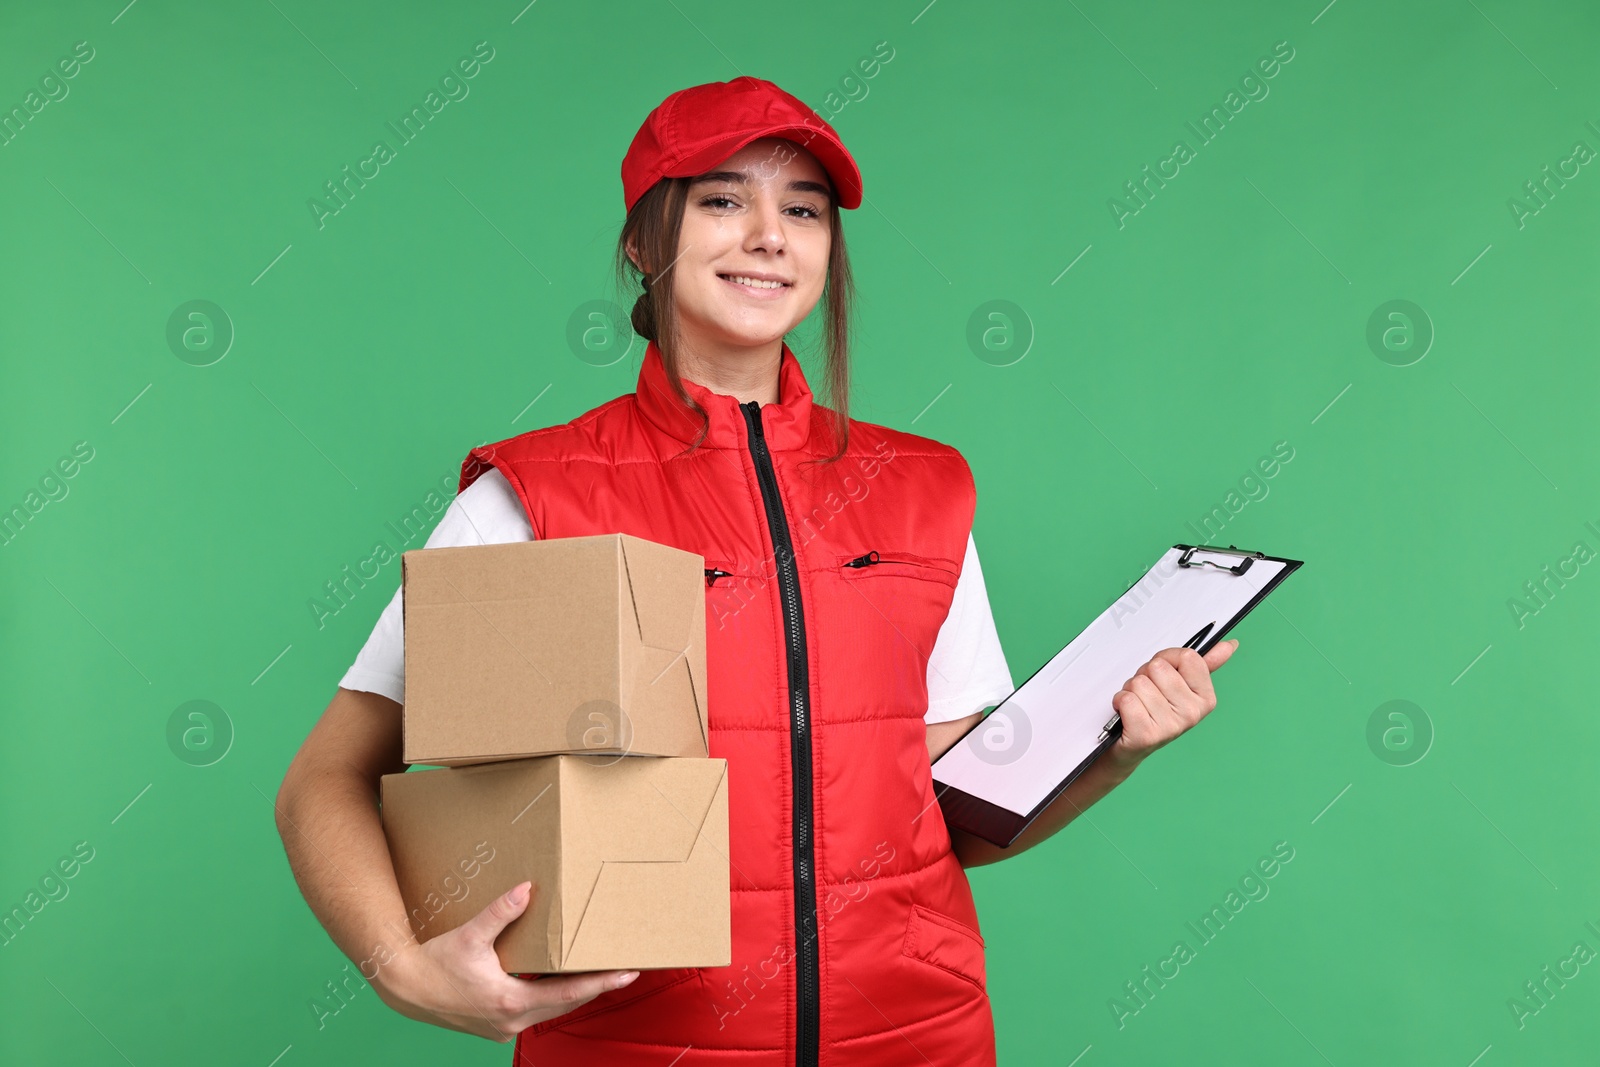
{"x": 560, "y": 687}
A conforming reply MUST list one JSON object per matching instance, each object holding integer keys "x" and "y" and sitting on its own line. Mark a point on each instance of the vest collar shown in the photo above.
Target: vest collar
{"x": 785, "y": 424}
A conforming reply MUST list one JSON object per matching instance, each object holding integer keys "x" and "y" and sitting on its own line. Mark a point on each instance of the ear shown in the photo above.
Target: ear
{"x": 633, "y": 255}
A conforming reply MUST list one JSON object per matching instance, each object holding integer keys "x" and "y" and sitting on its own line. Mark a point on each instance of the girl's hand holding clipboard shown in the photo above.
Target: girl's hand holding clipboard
{"x": 1164, "y": 699}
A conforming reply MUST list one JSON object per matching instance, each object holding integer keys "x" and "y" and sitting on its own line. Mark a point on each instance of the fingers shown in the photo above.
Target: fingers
{"x": 1172, "y": 683}
{"x": 1220, "y": 653}
{"x": 1194, "y": 669}
{"x": 460, "y": 983}
{"x": 1182, "y": 702}
{"x": 1155, "y": 702}
{"x": 1189, "y": 690}
{"x": 482, "y": 929}
{"x": 1190, "y": 671}
{"x": 1172, "y": 690}
{"x": 1167, "y": 696}
{"x": 1133, "y": 703}
{"x": 1127, "y": 705}
{"x": 534, "y": 1002}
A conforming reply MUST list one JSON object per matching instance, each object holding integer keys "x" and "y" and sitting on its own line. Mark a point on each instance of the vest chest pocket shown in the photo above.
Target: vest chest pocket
{"x": 893, "y": 602}
{"x": 893, "y": 563}
{"x": 731, "y": 586}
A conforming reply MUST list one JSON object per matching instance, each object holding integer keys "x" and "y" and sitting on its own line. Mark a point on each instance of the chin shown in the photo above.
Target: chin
{"x": 745, "y": 334}
{"x": 754, "y": 338}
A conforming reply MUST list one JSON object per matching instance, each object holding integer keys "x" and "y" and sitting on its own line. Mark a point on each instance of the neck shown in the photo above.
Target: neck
{"x": 744, "y": 373}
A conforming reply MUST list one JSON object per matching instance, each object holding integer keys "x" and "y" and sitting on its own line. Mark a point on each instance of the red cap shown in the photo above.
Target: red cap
{"x": 694, "y": 129}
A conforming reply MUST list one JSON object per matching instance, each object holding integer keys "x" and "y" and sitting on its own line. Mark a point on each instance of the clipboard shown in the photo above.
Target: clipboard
{"x": 1002, "y": 774}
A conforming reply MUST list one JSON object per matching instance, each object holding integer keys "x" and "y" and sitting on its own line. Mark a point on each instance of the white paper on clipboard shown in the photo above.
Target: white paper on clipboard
{"x": 1058, "y": 717}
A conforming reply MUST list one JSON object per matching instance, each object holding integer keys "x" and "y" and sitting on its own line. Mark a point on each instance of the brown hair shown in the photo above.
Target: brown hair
{"x": 654, "y": 225}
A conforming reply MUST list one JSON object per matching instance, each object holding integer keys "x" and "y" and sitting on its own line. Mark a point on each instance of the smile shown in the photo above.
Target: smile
{"x": 753, "y": 285}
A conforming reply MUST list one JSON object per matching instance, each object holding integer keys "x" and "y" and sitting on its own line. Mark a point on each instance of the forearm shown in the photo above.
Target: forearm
{"x": 333, "y": 836}
{"x": 1102, "y": 776}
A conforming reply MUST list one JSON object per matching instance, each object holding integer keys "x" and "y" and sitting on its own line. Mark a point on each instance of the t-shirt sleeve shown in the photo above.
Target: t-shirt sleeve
{"x": 967, "y": 670}
{"x": 486, "y": 513}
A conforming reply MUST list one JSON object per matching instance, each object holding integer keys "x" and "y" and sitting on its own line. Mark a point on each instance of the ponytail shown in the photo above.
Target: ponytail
{"x": 644, "y": 313}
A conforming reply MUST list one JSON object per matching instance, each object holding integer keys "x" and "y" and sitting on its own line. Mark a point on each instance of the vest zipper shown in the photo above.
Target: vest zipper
{"x": 807, "y": 1022}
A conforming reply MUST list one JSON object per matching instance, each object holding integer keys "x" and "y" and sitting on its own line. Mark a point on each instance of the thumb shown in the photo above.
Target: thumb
{"x": 1220, "y": 653}
{"x": 485, "y": 926}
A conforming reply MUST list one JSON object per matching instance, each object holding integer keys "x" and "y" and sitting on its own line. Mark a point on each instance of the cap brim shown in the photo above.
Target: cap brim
{"x": 833, "y": 156}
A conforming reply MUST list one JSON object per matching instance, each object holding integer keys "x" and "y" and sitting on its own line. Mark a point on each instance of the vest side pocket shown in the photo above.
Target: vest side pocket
{"x": 945, "y": 943}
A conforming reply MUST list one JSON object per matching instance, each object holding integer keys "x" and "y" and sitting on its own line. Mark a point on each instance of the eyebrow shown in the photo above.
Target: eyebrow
{"x": 743, "y": 178}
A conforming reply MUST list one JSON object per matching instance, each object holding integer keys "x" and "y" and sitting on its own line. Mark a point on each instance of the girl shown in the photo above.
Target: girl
{"x": 849, "y": 643}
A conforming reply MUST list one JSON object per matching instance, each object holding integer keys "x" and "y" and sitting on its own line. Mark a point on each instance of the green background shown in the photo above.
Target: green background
{"x": 1229, "y": 314}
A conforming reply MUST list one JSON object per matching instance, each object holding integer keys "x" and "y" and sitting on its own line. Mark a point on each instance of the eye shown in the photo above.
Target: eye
{"x": 721, "y": 202}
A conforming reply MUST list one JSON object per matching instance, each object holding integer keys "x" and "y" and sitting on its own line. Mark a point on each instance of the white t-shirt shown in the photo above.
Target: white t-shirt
{"x": 967, "y": 669}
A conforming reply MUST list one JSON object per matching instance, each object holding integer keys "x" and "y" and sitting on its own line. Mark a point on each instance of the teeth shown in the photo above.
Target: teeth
{"x": 754, "y": 283}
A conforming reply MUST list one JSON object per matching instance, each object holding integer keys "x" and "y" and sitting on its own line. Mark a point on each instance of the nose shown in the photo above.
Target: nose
{"x": 765, "y": 221}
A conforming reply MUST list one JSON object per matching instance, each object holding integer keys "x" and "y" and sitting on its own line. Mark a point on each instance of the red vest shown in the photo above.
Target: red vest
{"x": 855, "y": 938}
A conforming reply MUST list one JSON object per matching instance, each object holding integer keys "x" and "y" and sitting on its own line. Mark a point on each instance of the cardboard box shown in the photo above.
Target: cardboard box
{"x": 576, "y": 644}
{"x": 628, "y": 856}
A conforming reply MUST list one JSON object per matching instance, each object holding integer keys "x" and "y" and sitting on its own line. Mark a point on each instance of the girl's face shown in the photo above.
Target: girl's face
{"x": 753, "y": 250}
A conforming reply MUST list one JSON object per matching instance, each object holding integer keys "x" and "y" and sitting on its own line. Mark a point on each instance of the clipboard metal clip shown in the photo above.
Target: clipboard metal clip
{"x": 1239, "y": 568}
